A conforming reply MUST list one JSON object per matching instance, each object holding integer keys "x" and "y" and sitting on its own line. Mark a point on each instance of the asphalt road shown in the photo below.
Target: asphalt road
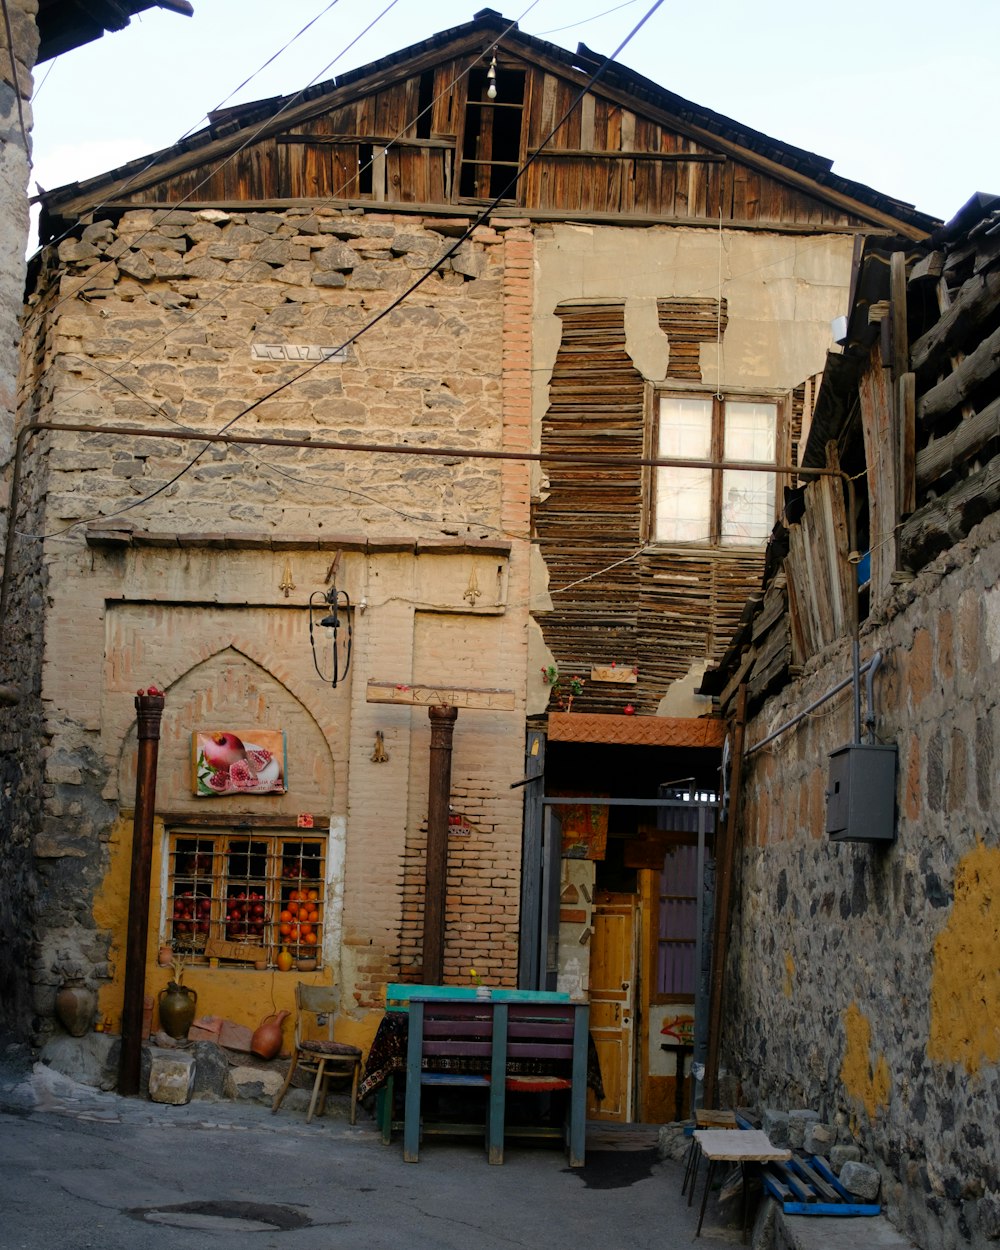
{"x": 80, "y": 1169}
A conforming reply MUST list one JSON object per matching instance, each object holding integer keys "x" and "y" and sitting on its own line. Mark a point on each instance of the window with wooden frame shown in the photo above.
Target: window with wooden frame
{"x": 239, "y": 893}
{"x": 677, "y": 924}
{"x": 491, "y": 143}
{"x": 716, "y": 507}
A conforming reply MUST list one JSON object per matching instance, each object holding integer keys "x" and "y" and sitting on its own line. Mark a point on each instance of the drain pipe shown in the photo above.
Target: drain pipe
{"x": 869, "y": 668}
{"x": 873, "y": 666}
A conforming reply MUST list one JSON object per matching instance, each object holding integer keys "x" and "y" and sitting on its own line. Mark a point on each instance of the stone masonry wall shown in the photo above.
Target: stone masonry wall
{"x": 172, "y": 321}
{"x": 866, "y": 979}
{"x": 20, "y": 758}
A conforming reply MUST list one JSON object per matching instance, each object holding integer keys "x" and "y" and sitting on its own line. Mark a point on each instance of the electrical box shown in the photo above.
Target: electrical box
{"x": 861, "y": 799}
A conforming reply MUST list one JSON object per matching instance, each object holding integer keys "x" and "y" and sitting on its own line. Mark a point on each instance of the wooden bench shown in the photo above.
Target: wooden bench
{"x": 397, "y": 999}
{"x": 503, "y": 1044}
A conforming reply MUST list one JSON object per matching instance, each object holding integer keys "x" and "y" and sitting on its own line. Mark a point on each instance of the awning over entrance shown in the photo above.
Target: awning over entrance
{"x": 654, "y": 731}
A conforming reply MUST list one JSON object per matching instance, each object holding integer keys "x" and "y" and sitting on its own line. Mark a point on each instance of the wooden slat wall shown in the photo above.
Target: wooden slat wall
{"x": 662, "y": 611}
{"x": 583, "y": 179}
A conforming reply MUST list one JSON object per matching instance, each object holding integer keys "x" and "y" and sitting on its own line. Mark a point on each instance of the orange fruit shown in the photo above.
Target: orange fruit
{"x": 313, "y": 916}
{"x": 309, "y": 938}
{"x": 312, "y": 895}
{"x": 284, "y": 929}
{"x": 286, "y": 916}
{"x": 295, "y": 896}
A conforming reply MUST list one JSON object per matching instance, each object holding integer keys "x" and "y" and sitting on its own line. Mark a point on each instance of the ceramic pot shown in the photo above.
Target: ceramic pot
{"x": 285, "y": 960}
{"x": 266, "y": 1041}
{"x": 75, "y": 1007}
{"x": 178, "y": 1004}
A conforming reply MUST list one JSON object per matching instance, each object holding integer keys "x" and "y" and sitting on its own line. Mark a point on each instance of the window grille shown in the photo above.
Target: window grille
{"x": 252, "y": 890}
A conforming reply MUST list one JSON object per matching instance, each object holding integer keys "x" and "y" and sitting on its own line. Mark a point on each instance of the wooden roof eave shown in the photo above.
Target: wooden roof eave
{"x": 139, "y": 178}
{"x": 147, "y": 171}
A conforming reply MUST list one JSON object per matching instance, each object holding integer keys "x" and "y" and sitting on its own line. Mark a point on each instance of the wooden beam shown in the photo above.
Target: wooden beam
{"x": 725, "y": 854}
{"x": 436, "y": 863}
{"x": 976, "y": 301}
{"x": 961, "y": 444}
{"x": 440, "y": 696}
{"x": 940, "y": 401}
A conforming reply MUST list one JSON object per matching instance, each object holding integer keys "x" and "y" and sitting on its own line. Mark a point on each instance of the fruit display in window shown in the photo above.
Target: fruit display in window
{"x": 191, "y": 915}
{"x": 246, "y": 915}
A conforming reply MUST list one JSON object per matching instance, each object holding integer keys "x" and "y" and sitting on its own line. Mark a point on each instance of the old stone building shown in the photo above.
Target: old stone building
{"x": 865, "y": 935}
{"x": 357, "y": 347}
{"x": 33, "y": 31}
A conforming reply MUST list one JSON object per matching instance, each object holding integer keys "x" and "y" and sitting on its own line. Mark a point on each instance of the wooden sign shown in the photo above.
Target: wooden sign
{"x": 440, "y": 696}
{"x": 617, "y": 674}
{"x": 216, "y": 949}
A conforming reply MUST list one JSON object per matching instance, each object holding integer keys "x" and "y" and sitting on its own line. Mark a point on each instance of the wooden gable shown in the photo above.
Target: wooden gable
{"x": 420, "y": 129}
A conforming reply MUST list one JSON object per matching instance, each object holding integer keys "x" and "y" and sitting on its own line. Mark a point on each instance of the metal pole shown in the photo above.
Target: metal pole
{"x": 149, "y": 710}
{"x": 436, "y": 872}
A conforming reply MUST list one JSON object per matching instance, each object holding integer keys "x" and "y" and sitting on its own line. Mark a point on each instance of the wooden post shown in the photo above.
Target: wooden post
{"x": 442, "y": 720}
{"x": 149, "y": 710}
{"x": 725, "y": 856}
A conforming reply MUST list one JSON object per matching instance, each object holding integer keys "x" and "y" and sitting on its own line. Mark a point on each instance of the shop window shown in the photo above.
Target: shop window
{"x": 677, "y": 933}
{"x": 715, "y": 507}
{"x": 247, "y": 891}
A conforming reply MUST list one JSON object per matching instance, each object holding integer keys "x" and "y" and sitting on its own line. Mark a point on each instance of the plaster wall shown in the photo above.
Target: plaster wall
{"x": 866, "y": 983}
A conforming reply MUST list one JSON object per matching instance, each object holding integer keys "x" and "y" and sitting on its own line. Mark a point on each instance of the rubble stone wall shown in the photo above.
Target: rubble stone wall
{"x": 20, "y": 747}
{"x": 866, "y": 977}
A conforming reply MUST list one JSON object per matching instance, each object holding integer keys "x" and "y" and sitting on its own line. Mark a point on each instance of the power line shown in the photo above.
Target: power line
{"x": 414, "y": 286}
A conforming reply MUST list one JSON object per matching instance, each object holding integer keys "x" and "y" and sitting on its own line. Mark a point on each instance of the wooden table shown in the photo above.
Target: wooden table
{"x": 741, "y": 1146}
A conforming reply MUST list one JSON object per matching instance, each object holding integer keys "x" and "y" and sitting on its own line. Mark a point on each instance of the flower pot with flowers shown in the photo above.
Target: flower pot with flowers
{"x": 562, "y": 689}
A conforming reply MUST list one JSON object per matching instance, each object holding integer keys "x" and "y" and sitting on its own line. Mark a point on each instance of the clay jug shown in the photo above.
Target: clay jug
{"x": 266, "y": 1041}
{"x": 75, "y": 1007}
{"x": 178, "y": 1004}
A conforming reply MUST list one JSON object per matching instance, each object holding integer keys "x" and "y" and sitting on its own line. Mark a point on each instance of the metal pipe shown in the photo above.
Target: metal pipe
{"x": 149, "y": 710}
{"x": 442, "y": 718}
{"x": 873, "y": 665}
{"x": 875, "y": 660}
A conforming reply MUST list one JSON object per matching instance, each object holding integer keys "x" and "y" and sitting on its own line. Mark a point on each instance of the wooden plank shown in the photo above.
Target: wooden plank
{"x": 897, "y": 314}
{"x": 881, "y": 458}
{"x": 215, "y": 948}
{"x": 945, "y": 521}
{"x": 440, "y": 696}
{"x": 373, "y": 140}
{"x": 831, "y": 1208}
{"x": 599, "y": 154}
{"x": 906, "y": 409}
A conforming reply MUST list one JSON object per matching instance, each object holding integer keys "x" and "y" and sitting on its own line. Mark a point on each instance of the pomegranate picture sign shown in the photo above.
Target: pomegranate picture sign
{"x": 225, "y": 761}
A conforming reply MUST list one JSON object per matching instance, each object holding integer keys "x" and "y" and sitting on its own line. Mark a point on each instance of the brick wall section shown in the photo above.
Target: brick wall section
{"x": 865, "y": 978}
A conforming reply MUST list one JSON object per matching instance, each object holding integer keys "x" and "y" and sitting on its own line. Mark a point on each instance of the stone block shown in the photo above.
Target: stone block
{"x": 85, "y": 1059}
{"x": 171, "y": 1077}
{"x": 989, "y": 1217}
{"x": 251, "y": 1084}
{"x": 671, "y": 1142}
{"x": 797, "y": 1122}
{"x": 841, "y": 1154}
{"x": 861, "y": 1180}
{"x": 775, "y": 1125}
{"x": 211, "y": 1071}
{"x": 818, "y": 1138}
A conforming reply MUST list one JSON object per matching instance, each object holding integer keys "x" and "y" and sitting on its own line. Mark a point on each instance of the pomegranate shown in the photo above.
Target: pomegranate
{"x": 222, "y": 750}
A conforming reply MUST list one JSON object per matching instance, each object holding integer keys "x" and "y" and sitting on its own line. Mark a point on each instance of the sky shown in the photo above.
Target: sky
{"x": 900, "y": 94}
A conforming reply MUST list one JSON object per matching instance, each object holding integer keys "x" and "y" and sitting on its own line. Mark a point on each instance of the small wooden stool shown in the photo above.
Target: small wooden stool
{"x": 745, "y": 1146}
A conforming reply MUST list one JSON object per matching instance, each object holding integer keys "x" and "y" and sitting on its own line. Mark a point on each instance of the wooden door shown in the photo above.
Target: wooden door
{"x": 612, "y": 997}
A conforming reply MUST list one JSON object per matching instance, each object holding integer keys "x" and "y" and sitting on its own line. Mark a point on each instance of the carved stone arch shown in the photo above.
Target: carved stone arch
{"x": 229, "y": 688}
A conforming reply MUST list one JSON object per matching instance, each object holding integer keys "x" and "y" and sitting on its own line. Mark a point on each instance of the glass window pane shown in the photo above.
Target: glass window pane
{"x": 683, "y": 505}
{"x": 685, "y": 428}
{"x": 747, "y": 507}
{"x": 750, "y": 431}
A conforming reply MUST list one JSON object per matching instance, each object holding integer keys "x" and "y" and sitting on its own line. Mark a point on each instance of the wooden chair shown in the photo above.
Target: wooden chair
{"x": 448, "y": 1044}
{"x": 315, "y": 1048}
{"x": 551, "y": 1036}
